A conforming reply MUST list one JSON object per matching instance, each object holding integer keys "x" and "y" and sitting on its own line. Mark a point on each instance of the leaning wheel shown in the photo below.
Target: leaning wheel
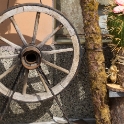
{"x": 31, "y": 55}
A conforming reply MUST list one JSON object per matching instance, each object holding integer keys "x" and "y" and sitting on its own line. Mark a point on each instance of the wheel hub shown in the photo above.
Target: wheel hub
{"x": 31, "y": 57}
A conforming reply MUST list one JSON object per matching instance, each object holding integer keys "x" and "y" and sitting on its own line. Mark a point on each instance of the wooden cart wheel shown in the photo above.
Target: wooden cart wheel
{"x": 30, "y": 55}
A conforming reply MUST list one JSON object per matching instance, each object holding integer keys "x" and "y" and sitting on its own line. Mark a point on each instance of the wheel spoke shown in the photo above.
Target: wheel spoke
{"x": 49, "y": 36}
{"x": 57, "y": 51}
{"x": 18, "y": 31}
{"x": 44, "y": 83}
{"x": 10, "y": 43}
{"x": 25, "y": 82}
{"x": 34, "y": 50}
{"x": 9, "y": 70}
{"x": 55, "y": 66}
{"x": 9, "y": 56}
{"x": 8, "y": 101}
{"x": 36, "y": 27}
{"x": 50, "y": 89}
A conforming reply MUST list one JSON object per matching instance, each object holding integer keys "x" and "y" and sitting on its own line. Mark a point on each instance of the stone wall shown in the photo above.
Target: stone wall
{"x": 75, "y": 99}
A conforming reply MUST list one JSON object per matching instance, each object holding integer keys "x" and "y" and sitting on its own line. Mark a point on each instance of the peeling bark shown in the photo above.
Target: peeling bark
{"x": 96, "y": 60}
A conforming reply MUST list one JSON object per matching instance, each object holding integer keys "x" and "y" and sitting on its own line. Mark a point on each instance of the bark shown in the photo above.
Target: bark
{"x": 98, "y": 78}
{"x": 120, "y": 66}
{"x": 117, "y": 107}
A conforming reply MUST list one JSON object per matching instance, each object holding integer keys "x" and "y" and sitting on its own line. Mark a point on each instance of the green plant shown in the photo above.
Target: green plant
{"x": 115, "y": 25}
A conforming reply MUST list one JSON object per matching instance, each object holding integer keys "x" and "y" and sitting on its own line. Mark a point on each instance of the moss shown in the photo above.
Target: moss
{"x": 91, "y": 6}
{"x": 95, "y": 61}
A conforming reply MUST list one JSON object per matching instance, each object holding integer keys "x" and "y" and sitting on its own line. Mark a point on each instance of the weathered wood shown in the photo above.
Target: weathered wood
{"x": 36, "y": 27}
{"x": 38, "y": 8}
{"x": 9, "y": 70}
{"x": 115, "y": 87}
{"x": 30, "y": 97}
{"x": 58, "y": 51}
{"x": 117, "y": 97}
{"x": 120, "y": 66}
{"x": 75, "y": 62}
{"x": 63, "y": 121}
{"x": 18, "y": 31}
{"x": 10, "y": 43}
{"x": 59, "y": 120}
{"x": 72, "y": 121}
{"x": 9, "y": 56}
{"x": 49, "y": 36}
{"x": 55, "y": 66}
{"x": 44, "y": 84}
{"x": 95, "y": 57}
{"x": 117, "y": 110}
{"x": 14, "y": 86}
{"x": 25, "y": 82}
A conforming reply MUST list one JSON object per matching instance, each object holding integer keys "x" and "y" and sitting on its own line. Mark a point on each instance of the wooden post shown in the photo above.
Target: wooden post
{"x": 96, "y": 60}
{"x": 116, "y": 94}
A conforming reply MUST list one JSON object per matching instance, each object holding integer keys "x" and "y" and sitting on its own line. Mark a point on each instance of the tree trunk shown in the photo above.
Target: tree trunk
{"x": 117, "y": 110}
{"x": 120, "y": 67}
{"x": 96, "y": 60}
